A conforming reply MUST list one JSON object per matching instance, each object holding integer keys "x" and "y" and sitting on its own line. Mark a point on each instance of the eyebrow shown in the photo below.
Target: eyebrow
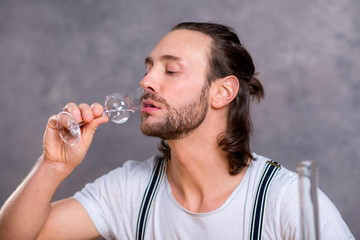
{"x": 149, "y": 60}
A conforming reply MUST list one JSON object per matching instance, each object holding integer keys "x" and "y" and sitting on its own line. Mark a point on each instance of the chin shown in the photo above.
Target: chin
{"x": 146, "y": 125}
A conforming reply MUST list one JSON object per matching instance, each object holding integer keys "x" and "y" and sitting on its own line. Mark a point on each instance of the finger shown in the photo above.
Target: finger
{"x": 97, "y": 109}
{"x": 98, "y": 121}
{"x": 86, "y": 112}
{"x": 90, "y": 128}
{"x": 73, "y": 109}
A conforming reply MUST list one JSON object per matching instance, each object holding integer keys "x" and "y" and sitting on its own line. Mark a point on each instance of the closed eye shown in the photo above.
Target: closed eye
{"x": 170, "y": 72}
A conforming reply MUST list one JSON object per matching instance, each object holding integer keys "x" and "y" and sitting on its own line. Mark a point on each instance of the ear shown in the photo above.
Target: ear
{"x": 225, "y": 90}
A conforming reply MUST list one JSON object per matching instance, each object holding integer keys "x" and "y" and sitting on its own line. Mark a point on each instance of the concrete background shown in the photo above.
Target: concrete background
{"x": 307, "y": 53}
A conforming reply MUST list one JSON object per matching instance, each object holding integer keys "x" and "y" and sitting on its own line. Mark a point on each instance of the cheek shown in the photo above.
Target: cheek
{"x": 182, "y": 95}
{"x": 183, "y": 89}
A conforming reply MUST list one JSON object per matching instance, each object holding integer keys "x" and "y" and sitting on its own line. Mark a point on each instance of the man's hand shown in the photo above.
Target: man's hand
{"x": 57, "y": 151}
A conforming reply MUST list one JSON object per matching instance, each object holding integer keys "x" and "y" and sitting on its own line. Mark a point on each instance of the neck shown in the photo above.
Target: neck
{"x": 198, "y": 171}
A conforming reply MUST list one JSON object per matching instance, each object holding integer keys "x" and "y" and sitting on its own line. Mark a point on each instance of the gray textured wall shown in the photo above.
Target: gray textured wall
{"x": 307, "y": 53}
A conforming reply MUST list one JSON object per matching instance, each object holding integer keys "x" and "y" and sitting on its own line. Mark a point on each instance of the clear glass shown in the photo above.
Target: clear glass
{"x": 118, "y": 108}
{"x": 309, "y": 217}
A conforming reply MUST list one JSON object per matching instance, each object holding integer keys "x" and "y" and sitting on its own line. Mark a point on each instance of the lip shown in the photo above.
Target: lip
{"x": 149, "y": 106}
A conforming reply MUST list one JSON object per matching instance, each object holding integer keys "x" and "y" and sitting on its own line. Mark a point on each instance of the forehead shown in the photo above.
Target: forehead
{"x": 187, "y": 45}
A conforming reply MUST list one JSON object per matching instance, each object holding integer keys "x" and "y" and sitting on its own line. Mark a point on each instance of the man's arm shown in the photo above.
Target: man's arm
{"x": 28, "y": 212}
{"x": 68, "y": 220}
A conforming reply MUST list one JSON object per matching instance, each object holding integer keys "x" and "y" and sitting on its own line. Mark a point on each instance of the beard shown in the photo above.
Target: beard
{"x": 178, "y": 122}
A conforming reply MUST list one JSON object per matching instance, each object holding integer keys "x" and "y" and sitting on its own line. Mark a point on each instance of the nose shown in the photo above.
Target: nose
{"x": 148, "y": 83}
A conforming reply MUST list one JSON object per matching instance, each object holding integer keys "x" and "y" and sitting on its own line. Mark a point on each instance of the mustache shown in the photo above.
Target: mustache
{"x": 147, "y": 95}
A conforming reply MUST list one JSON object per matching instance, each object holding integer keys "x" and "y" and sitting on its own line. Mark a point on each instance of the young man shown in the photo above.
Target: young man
{"x": 198, "y": 86}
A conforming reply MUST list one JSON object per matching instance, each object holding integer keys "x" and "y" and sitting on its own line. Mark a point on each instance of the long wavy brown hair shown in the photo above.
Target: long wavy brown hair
{"x": 229, "y": 57}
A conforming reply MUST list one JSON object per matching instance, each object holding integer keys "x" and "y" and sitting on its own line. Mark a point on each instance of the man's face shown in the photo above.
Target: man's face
{"x": 176, "y": 90}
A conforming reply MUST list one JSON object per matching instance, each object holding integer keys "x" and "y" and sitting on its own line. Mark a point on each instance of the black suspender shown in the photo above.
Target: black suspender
{"x": 158, "y": 174}
{"x": 270, "y": 169}
{"x": 149, "y": 195}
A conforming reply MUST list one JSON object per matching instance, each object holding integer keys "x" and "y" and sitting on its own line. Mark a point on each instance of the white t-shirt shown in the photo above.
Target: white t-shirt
{"x": 113, "y": 202}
